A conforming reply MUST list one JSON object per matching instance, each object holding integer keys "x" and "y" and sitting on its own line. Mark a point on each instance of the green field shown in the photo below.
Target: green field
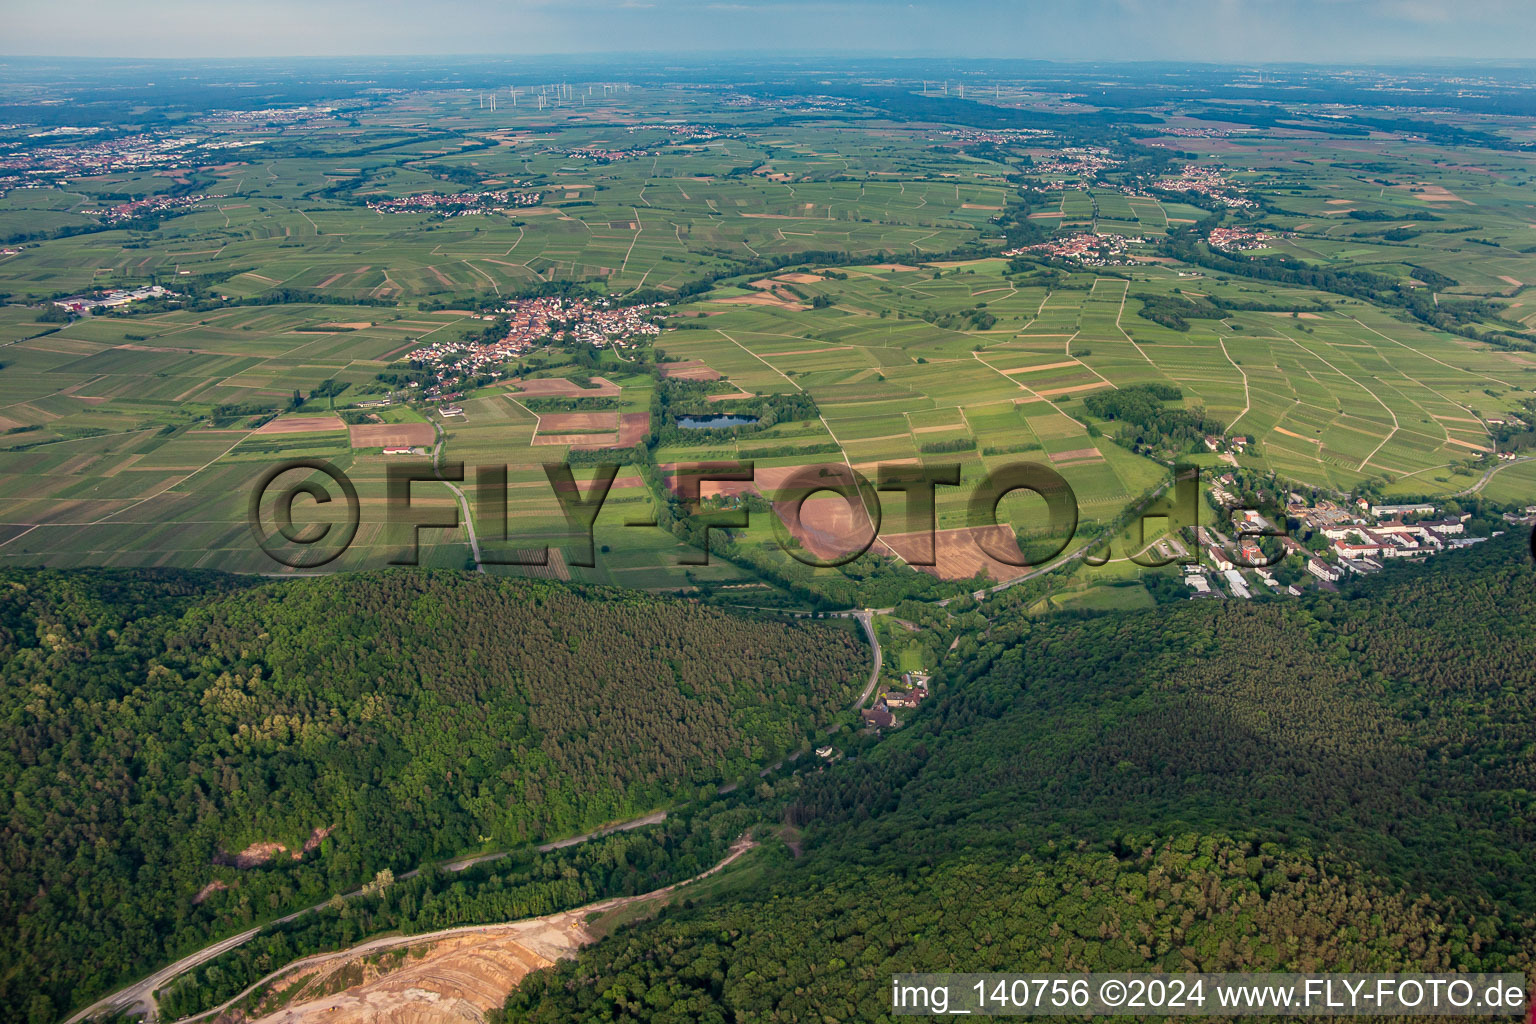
{"x": 851, "y": 260}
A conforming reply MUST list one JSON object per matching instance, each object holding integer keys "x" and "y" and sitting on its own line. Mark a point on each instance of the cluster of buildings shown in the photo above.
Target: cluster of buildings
{"x": 1366, "y": 534}
{"x": 534, "y": 322}
{"x": 807, "y": 103}
{"x": 1076, "y": 160}
{"x": 1360, "y": 538}
{"x": 129, "y": 152}
{"x": 1234, "y": 239}
{"x": 459, "y": 204}
{"x": 139, "y": 207}
{"x": 1209, "y": 182}
{"x": 1196, "y": 133}
{"x": 1088, "y": 249}
{"x": 605, "y": 156}
{"x": 79, "y": 154}
{"x": 269, "y": 115}
{"x": 1227, "y": 450}
{"x": 996, "y": 136}
{"x": 695, "y": 132}
{"x": 63, "y": 129}
{"x": 83, "y": 304}
{"x": 14, "y": 181}
{"x": 881, "y": 717}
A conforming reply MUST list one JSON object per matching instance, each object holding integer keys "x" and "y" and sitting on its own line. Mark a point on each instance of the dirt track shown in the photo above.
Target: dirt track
{"x": 138, "y": 998}
{"x": 449, "y": 976}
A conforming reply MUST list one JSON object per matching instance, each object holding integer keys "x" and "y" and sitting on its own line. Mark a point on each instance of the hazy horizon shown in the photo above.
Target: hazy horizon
{"x": 1212, "y": 31}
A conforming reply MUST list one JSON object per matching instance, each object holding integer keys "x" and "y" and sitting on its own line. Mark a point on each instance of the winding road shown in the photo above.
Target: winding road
{"x": 563, "y": 918}
{"x": 139, "y": 997}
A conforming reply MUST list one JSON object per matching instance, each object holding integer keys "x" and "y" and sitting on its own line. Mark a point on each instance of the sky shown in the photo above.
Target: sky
{"x": 1218, "y": 31}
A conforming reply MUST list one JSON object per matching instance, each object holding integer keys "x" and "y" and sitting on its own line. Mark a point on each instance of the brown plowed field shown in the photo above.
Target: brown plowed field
{"x": 570, "y": 422}
{"x": 560, "y": 387}
{"x": 633, "y": 426}
{"x": 392, "y": 435}
{"x": 957, "y": 555}
{"x": 302, "y": 425}
{"x": 690, "y": 369}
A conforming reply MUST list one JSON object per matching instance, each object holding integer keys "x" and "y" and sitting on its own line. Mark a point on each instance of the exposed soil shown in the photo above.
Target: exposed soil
{"x": 391, "y": 435}
{"x": 561, "y": 387}
{"x": 690, "y": 369}
{"x": 957, "y": 554}
{"x": 302, "y": 425}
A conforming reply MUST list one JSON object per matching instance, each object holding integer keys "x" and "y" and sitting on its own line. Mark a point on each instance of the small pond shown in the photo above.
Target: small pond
{"x": 714, "y": 422}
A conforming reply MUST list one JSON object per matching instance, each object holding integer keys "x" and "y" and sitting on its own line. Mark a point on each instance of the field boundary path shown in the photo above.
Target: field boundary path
{"x": 469, "y": 520}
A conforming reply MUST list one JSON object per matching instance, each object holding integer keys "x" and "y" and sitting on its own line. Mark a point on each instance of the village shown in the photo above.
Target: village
{"x": 461, "y": 204}
{"x": 1237, "y": 239}
{"x": 605, "y": 156}
{"x": 1209, "y": 182}
{"x": 1089, "y": 250}
{"x": 531, "y": 323}
{"x": 1352, "y": 538}
{"x": 146, "y": 207}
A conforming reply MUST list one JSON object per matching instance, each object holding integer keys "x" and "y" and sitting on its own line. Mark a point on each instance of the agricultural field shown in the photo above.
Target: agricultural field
{"x": 908, "y": 285}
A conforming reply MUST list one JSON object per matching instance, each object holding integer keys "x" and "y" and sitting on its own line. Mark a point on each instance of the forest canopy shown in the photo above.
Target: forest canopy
{"x": 1335, "y": 784}
{"x": 168, "y": 733}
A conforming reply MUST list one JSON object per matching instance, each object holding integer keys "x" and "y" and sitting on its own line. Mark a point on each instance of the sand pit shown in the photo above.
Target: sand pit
{"x": 448, "y": 977}
{"x": 560, "y": 387}
{"x": 689, "y": 369}
{"x": 302, "y": 425}
{"x": 956, "y": 552}
{"x": 454, "y": 979}
{"x": 392, "y": 435}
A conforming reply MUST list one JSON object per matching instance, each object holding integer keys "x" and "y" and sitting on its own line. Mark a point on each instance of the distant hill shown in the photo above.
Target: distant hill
{"x": 185, "y": 754}
{"x": 1332, "y": 784}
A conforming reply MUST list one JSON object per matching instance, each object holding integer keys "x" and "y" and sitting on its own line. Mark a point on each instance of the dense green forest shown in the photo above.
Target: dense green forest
{"x": 1150, "y": 424}
{"x": 160, "y": 726}
{"x": 1343, "y": 783}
